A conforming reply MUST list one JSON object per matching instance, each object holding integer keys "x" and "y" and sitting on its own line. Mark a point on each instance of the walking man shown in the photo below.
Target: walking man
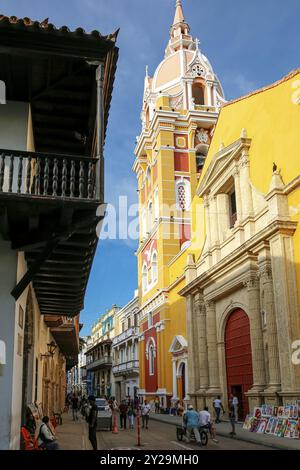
{"x": 205, "y": 420}
{"x": 218, "y": 406}
{"x": 75, "y": 407}
{"x": 92, "y": 421}
{"x": 145, "y": 414}
{"x": 191, "y": 421}
{"x": 232, "y": 418}
{"x": 123, "y": 414}
{"x": 235, "y": 402}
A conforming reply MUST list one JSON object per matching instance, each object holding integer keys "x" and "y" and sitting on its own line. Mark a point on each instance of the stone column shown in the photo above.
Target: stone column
{"x": 202, "y": 341}
{"x": 247, "y": 201}
{"x": 208, "y": 92}
{"x": 223, "y": 215}
{"x": 257, "y": 346}
{"x": 214, "y": 221}
{"x": 212, "y": 348}
{"x": 186, "y": 373}
{"x": 215, "y": 96}
{"x": 207, "y": 219}
{"x": 190, "y": 95}
{"x": 266, "y": 282}
{"x": 192, "y": 345}
{"x": 237, "y": 187}
{"x": 174, "y": 379}
{"x": 162, "y": 372}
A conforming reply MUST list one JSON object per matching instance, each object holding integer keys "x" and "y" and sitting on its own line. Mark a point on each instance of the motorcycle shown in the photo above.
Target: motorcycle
{"x": 203, "y": 431}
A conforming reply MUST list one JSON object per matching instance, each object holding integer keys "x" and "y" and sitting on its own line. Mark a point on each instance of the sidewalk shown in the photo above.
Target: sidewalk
{"x": 72, "y": 435}
{"x": 223, "y": 430}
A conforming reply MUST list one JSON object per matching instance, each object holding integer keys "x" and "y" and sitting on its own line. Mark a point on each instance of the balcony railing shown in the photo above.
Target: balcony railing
{"x": 129, "y": 366}
{"x": 133, "y": 331}
{"x": 98, "y": 363}
{"x": 47, "y": 175}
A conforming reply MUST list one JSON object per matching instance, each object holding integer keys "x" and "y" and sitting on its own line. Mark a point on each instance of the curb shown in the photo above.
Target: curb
{"x": 237, "y": 438}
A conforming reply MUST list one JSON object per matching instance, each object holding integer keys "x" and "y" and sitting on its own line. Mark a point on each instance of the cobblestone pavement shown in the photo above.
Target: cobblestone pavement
{"x": 160, "y": 436}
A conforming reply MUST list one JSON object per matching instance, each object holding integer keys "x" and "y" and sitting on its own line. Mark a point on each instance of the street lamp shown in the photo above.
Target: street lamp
{"x": 51, "y": 350}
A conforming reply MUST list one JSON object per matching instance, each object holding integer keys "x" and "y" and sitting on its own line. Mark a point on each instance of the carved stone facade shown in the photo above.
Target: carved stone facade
{"x": 246, "y": 266}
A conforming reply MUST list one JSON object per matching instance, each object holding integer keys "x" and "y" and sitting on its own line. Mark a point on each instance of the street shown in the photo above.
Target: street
{"x": 160, "y": 436}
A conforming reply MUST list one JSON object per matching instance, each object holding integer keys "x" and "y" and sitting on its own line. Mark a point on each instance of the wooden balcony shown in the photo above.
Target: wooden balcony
{"x": 44, "y": 176}
{"x": 66, "y": 336}
{"x": 48, "y": 205}
{"x": 49, "y": 198}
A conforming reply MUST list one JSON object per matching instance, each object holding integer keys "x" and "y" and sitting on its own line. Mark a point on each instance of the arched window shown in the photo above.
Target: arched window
{"x": 156, "y": 204}
{"x": 198, "y": 94}
{"x": 148, "y": 175}
{"x": 144, "y": 278}
{"x": 151, "y": 359}
{"x": 201, "y": 153}
{"x": 144, "y": 224}
{"x": 150, "y": 216}
{"x": 154, "y": 267}
{"x": 183, "y": 194}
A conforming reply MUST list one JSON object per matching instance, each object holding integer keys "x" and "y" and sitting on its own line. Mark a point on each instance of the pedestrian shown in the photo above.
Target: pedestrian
{"x": 157, "y": 404}
{"x": 218, "y": 406}
{"x": 75, "y": 408}
{"x": 92, "y": 421}
{"x": 123, "y": 414}
{"x": 146, "y": 408}
{"x": 131, "y": 414}
{"x": 180, "y": 408}
{"x": 206, "y": 421}
{"x": 46, "y": 437}
{"x": 235, "y": 402}
{"x": 231, "y": 413}
{"x": 191, "y": 422}
{"x": 30, "y": 423}
{"x": 136, "y": 402}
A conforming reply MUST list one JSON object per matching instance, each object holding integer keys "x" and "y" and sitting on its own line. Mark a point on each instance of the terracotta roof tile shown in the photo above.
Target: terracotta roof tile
{"x": 45, "y": 25}
{"x": 292, "y": 74}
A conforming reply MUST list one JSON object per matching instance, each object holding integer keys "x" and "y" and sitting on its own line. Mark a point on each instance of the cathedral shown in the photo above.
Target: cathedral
{"x": 219, "y": 247}
{"x": 180, "y": 108}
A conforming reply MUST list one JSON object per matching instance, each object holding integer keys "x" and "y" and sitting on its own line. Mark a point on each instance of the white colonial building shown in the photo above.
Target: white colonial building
{"x": 125, "y": 351}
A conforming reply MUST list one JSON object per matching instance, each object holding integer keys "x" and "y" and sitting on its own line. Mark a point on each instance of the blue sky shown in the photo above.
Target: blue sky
{"x": 249, "y": 43}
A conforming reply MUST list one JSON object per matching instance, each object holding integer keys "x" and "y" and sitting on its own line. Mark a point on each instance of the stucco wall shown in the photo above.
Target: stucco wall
{"x": 15, "y": 133}
{"x": 8, "y": 274}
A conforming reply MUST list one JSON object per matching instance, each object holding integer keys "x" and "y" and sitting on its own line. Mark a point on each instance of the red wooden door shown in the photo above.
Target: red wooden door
{"x": 239, "y": 358}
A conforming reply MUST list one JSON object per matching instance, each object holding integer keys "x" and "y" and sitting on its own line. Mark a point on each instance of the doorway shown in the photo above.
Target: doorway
{"x": 238, "y": 356}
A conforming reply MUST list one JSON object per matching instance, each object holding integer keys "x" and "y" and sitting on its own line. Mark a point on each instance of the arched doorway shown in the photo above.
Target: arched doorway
{"x": 239, "y": 358}
{"x": 28, "y": 356}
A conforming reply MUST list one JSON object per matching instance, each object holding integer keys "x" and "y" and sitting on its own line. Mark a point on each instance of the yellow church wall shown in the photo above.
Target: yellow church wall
{"x": 269, "y": 117}
{"x": 294, "y": 206}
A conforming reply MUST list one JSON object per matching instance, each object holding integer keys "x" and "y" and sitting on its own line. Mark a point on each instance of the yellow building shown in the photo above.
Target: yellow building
{"x": 243, "y": 284}
{"x": 180, "y": 108}
{"x": 99, "y": 357}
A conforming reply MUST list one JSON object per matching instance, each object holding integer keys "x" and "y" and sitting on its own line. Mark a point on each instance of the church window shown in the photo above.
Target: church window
{"x": 232, "y": 208}
{"x": 183, "y": 194}
{"x": 150, "y": 216}
{"x": 198, "y": 94}
{"x": 154, "y": 267}
{"x": 148, "y": 175}
{"x": 151, "y": 360}
{"x": 201, "y": 153}
{"x": 145, "y": 278}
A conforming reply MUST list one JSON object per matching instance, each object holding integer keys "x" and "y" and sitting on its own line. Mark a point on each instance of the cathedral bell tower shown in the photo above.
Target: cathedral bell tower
{"x": 180, "y": 108}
